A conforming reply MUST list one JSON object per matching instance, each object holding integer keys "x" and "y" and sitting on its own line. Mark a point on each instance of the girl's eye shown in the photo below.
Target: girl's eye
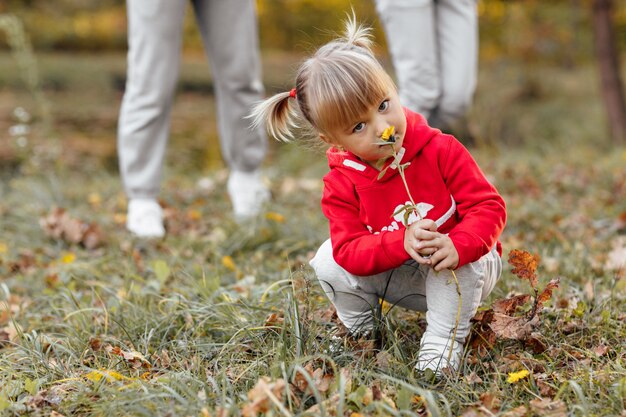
{"x": 384, "y": 105}
{"x": 359, "y": 127}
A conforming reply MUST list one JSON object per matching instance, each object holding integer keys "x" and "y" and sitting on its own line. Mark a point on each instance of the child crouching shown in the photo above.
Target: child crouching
{"x": 407, "y": 205}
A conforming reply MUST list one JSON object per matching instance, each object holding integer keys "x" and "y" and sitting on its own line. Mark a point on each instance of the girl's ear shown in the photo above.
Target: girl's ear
{"x": 327, "y": 139}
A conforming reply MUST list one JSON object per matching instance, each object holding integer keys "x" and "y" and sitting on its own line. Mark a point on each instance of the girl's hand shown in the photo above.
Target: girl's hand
{"x": 445, "y": 256}
{"x": 421, "y": 230}
{"x": 429, "y": 247}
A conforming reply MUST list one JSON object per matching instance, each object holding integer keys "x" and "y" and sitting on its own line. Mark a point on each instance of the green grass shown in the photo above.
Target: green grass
{"x": 202, "y": 325}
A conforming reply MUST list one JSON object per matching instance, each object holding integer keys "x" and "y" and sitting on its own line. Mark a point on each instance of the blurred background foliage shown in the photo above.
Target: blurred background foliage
{"x": 558, "y": 31}
{"x": 539, "y": 82}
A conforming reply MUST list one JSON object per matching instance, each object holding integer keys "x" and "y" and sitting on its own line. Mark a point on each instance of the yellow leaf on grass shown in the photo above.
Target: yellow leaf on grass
{"x": 3, "y": 247}
{"x": 94, "y": 199}
{"x": 516, "y": 376}
{"x": 107, "y": 374}
{"x": 194, "y": 214}
{"x": 119, "y": 218}
{"x": 68, "y": 258}
{"x": 277, "y": 217}
{"x": 228, "y": 262}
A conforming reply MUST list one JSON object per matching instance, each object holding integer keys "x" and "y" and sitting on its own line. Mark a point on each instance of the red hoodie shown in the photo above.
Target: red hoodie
{"x": 446, "y": 184}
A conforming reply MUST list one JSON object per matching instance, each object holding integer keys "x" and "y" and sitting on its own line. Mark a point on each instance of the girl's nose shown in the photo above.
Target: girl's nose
{"x": 381, "y": 128}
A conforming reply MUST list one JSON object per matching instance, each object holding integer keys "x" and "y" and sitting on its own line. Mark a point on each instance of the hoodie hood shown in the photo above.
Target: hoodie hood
{"x": 417, "y": 135}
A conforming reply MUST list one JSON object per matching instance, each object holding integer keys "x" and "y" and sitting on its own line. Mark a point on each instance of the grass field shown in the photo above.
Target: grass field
{"x": 220, "y": 319}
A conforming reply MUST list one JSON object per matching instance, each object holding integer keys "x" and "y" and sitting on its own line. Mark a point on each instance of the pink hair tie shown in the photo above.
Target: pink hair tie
{"x": 292, "y": 93}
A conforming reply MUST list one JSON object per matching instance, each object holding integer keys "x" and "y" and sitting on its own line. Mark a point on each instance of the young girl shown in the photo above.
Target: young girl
{"x": 378, "y": 250}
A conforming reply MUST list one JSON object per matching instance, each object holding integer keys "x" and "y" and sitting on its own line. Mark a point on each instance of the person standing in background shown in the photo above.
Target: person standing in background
{"x": 230, "y": 36}
{"x": 434, "y": 50}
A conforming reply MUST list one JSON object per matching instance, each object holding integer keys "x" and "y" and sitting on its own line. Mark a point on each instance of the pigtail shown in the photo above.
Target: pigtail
{"x": 277, "y": 114}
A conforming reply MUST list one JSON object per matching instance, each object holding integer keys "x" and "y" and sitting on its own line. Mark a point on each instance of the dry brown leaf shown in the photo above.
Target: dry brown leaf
{"x": 275, "y": 320}
{"x": 490, "y": 401}
{"x": 516, "y": 328}
{"x": 134, "y": 358}
{"x": 548, "y": 408}
{"x": 516, "y": 412}
{"x": 8, "y": 333}
{"x": 509, "y": 306}
{"x": 26, "y": 262}
{"x": 536, "y": 343}
{"x": 260, "y": 397}
{"x": 601, "y": 350}
{"x": 476, "y": 412}
{"x": 473, "y": 378}
{"x": 524, "y": 265}
{"x": 58, "y": 224}
{"x": 321, "y": 379}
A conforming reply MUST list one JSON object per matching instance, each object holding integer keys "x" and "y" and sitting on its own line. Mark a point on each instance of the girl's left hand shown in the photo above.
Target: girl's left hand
{"x": 443, "y": 253}
{"x": 446, "y": 256}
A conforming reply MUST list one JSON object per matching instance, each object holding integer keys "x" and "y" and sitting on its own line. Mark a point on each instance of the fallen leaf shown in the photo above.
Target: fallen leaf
{"x": 548, "y": 408}
{"x": 108, "y": 375}
{"x": 536, "y": 343}
{"x": 490, "y": 401}
{"x": 262, "y": 395}
{"x": 473, "y": 378}
{"x": 58, "y": 224}
{"x": 509, "y": 306}
{"x": 516, "y": 328}
{"x": 275, "y": 217}
{"x": 601, "y": 350}
{"x": 520, "y": 411}
{"x": 275, "y": 320}
{"x": 134, "y": 358}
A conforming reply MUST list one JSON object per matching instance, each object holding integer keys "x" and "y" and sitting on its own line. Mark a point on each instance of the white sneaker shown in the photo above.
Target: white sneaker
{"x": 434, "y": 354}
{"x": 247, "y": 193}
{"x": 145, "y": 218}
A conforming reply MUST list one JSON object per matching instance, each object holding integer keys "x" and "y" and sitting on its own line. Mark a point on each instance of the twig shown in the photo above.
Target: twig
{"x": 458, "y": 315}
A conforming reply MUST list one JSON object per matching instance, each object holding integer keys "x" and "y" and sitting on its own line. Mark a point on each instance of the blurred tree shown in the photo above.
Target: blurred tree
{"x": 608, "y": 60}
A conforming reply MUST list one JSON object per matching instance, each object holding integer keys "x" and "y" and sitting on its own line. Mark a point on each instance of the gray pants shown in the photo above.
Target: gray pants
{"x": 412, "y": 286}
{"x": 434, "y": 49}
{"x": 229, "y": 32}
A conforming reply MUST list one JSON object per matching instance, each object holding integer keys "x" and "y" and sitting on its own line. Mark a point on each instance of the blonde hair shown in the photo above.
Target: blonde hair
{"x": 334, "y": 87}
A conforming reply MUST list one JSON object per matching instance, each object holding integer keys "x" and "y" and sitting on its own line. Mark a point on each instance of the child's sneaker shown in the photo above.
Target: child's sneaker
{"x": 434, "y": 354}
{"x": 247, "y": 193}
{"x": 145, "y": 218}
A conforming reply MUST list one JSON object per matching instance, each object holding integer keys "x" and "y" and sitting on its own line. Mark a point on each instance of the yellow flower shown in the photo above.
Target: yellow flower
{"x": 388, "y": 133}
{"x": 516, "y": 376}
{"x": 68, "y": 258}
{"x": 228, "y": 262}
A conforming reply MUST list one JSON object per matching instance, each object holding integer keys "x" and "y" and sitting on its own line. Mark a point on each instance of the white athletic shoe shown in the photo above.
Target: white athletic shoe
{"x": 434, "y": 354}
{"x": 145, "y": 218}
{"x": 247, "y": 193}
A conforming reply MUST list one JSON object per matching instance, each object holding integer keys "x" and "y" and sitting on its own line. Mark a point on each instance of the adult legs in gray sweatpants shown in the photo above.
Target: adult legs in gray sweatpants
{"x": 416, "y": 287}
{"x": 229, "y": 33}
{"x": 434, "y": 49}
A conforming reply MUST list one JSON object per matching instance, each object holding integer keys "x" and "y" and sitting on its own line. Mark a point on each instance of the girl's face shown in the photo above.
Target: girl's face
{"x": 362, "y": 137}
